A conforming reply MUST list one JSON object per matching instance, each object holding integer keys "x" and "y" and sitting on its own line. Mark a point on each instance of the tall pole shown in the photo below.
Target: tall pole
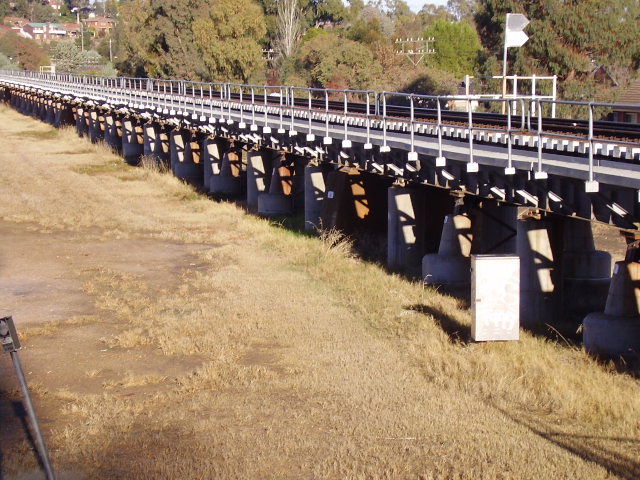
{"x": 504, "y": 76}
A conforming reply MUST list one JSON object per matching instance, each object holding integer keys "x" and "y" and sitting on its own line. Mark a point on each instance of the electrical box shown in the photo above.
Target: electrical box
{"x": 495, "y": 297}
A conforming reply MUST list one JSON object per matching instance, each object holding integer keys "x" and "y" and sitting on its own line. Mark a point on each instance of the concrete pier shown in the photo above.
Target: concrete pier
{"x": 451, "y": 266}
{"x": 355, "y": 201}
{"x": 50, "y": 114}
{"x": 539, "y": 274}
{"x": 186, "y": 161}
{"x": 212, "y": 150}
{"x": 616, "y": 331}
{"x": 405, "y": 231}
{"x": 81, "y": 125}
{"x": 227, "y": 178}
{"x": 494, "y": 228}
{"x": 156, "y": 148}
{"x": 586, "y": 272}
{"x": 63, "y": 115}
{"x": 95, "y": 128}
{"x": 314, "y": 194}
{"x": 132, "y": 140}
{"x": 259, "y": 168}
{"x": 278, "y": 200}
{"x": 113, "y": 131}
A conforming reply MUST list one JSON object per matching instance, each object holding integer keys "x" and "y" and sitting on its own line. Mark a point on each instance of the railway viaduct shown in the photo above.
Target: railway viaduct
{"x": 442, "y": 188}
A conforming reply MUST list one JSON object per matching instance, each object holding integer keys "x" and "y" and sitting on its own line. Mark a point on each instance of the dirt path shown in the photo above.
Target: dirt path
{"x": 168, "y": 336}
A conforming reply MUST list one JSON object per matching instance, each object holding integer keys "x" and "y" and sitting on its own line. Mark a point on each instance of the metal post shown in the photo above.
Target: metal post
{"x": 42, "y": 448}
{"x": 590, "y": 142}
{"x": 504, "y": 75}
{"x": 11, "y": 344}
{"x": 555, "y": 91}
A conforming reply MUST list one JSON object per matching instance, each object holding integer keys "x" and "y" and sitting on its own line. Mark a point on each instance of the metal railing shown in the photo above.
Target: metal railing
{"x": 335, "y": 113}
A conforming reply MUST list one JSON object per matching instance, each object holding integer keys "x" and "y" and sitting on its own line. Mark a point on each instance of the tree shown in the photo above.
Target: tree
{"x": 67, "y": 57}
{"x": 26, "y": 52}
{"x": 227, "y": 33}
{"x": 457, "y": 47}
{"x": 132, "y": 38}
{"x": 431, "y": 13}
{"x": 289, "y": 28}
{"x": 567, "y": 38}
{"x": 333, "y": 62}
{"x": 171, "y": 50}
{"x": 463, "y": 9}
{"x": 330, "y": 11}
{"x": 7, "y": 63}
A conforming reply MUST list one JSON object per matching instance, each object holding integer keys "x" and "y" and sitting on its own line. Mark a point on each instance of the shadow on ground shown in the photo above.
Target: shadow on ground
{"x": 588, "y": 448}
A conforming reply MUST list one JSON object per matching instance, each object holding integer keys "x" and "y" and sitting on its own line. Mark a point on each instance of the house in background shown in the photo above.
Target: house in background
{"x": 56, "y": 5}
{"x": 631, "y": 98}
{"x": 73, "y": 29}
{"x": 45, "y": 31}
{"x": 102, "y": 25}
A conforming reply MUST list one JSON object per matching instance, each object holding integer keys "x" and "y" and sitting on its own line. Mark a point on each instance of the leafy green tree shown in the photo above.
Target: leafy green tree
{"x": 463, "y": 9}
{"x": 228, "y": 35}
{"x": 457, "y": 47}
{"x": 132, "y": 38}
{"x": 5, "y": 9}
{"x": 26, "y": 52}
{"x": 331, "y": 10}
{"x": 67, "y": 57}
{"x": 171, "y": 49}
{"x": 366, "y": 31}
{"x": 7, "y": 63}
{"x": 431, "y": 13}
{"x": 41, "y": 13}
{"x": 334, "y": 62}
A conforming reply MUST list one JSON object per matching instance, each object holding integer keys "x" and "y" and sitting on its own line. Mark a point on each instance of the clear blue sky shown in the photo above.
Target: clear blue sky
{"x": 416, "y": 5}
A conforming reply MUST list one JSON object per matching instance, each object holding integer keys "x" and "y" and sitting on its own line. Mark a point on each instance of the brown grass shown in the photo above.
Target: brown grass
{"x": 310, "y": 362}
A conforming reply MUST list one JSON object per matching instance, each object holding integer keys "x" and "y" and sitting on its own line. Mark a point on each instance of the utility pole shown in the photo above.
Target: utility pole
{"x": 414, "y": 49}
{"x": 110, "y": 52}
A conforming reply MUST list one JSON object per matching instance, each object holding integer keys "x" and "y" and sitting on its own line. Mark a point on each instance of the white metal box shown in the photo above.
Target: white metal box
{"x": 495, "y": 297}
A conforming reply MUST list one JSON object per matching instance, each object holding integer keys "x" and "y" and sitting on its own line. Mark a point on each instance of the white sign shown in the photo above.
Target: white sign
{"x": 514, "y": 35}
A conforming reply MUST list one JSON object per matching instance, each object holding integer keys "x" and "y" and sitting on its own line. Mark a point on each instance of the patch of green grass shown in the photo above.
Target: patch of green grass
{"x": 40, "y": 135}
{"x": 102, "y": 168}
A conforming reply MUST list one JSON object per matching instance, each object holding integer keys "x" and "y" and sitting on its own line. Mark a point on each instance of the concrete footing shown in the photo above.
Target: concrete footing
{"x": 81, "y": 126}
{"x": 616, "y": 332}
{"x": 259, "y": 168}
{"x": 405, "y": 231}
{"x": 278, "y": 200}
{"x": 186, "y": 161}
{"x": 451, "y": 266}
{"x": 96, "y": 126}
{"x": 538, "y": 273}
{"x": 113, "y": 131}
{"x": 132, "y": 141}
{"x": 586, "y": 272}
{"x": 156, "y": 147}
{"x": 230, "y": 180}
{"x": 314, "y": 193}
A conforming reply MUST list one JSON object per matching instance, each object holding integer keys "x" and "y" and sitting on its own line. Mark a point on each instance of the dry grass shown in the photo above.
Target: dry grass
{"x": 310, "y": 362}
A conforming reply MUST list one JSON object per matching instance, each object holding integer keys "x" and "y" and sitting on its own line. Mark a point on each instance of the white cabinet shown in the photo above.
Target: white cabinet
{"x": 495, "y": 297}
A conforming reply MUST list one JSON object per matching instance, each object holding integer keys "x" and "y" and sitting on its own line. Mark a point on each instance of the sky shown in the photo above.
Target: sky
{"x": 416, "y": 5}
